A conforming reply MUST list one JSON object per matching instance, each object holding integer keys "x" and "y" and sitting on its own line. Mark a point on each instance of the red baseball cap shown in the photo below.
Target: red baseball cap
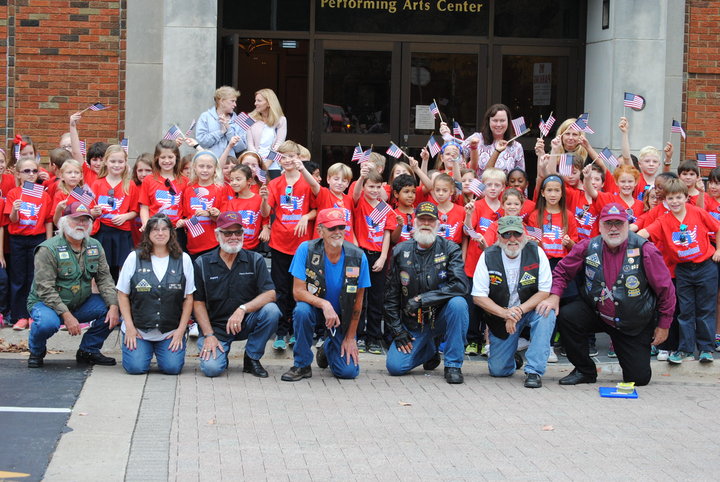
{"x": 76, "y": 209}
{"x": 229, "y": 218}
{"x": 613, "y": 211}
{"x": 331, "y": 217}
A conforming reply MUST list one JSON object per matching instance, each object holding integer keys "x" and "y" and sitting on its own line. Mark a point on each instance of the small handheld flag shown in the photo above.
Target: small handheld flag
{"x": 260, "y": 174}
{"x": 546, "y": 125}
{"x": 476, "y": 187}
{"x": 433, "y": 146}
{"x": 381, "y": 210}
{"x": 365, "y": 156}
{"x": 16, "y": 152}
{"x": 434, "y": 109}
{"x": 608, "y": 158}
{"x": 98, "y": 106}
{"x": 125, "y": 144}
{"x": 633, "y": 101}
{"x": 677, "y": 128}
{"x": 357, "y": 154}
{"x": 707, "y": 160}
{"x": 192, "y": 126}
{"x": 244, "y": 121}
{"x": 519, "y": 126}
{"x": 172, "y": 133}
{"x": 534, "y": 233}
{"x": 194, "y": 226}
{"x": 83, "y": 148}
{"x": 394, "y": 151}
{"x": 457, "y": 131}
{"x": 565, "y": 164}
{"x": 33, "y": 190}
{"x": 274, "y": 156}
{"x": 82, "y": 195}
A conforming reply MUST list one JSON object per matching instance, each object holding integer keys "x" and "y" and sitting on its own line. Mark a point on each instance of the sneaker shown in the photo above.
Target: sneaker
{"x": 593, "y": 350}
{"x": 653, "y": 350}
{"x": 677, "y": 357}
{"x": 611, "y": 353}
{"x": 485, "y": 350}
{"x": 374, "y": 348}
{"x": 563, "y": 353}
{"x": 321, "y": 357}
{"x": 663, "y": 355}
{"x": 194, "y": 332}
{"x": 22, "y": 324}
{"x": 706, "y": 357}
{"x": 362, "y": 346}
{"x": 472, "y": 349}
{"x": 552, "y": 357}
{"x": 291, "y": 341}
{"x": 280, "y": 344}
{"x": 523, "y": 344}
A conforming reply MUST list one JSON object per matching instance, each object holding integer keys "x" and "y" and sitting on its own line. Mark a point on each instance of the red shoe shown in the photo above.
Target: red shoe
{"x": 22, "y": 324}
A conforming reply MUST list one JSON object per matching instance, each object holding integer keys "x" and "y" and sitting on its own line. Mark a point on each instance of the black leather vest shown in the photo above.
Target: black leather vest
{"x": 154, "y": 303}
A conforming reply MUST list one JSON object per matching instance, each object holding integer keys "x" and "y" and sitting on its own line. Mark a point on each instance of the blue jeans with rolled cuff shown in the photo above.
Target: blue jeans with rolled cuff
{"x": 501, "y": 359}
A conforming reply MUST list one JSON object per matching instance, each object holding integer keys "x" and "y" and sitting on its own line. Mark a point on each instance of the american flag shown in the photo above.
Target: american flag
{"x": 381, "y": 210}
{"x": 634, "y": 101}
{"x": 519, "y": 126}
{"x": 33, "y": 190}
{"x": 357, "y": 154}
{"x": 684, "y": 238}
{"x": 394, "y": 151}
{"x": 484, "y": 224}
{"x": 534, "y": 233}
{"x": 457, "y": 131}
{"x": 677, "y": 128}
{"x": 165, "y": 198}
{"x": 125, "y": 143}
{"x": 476, "y": 187}
{"x": 98, "y": 106}
{"x": 172, "y": 133}
{"x": 434, "y": 109}
{"x": 365, "y": 156}
{"x": 85, "y": 197}
{"x": 83, "y": 148}
{"x": 471, "y": 232}
{"x": 565, "y": 164}
{"x": 192, "y": 126}
{"x": 244, "y": 121}
{"x": 433, "y": 146}
{"x": 546, "y": 125}
{"x": 27, "y": 209}
{"x": 608, "y": 158}
{"x": 199, "y": 203}
{"x": 579, "y": 125}
{"x": 260, "y": 174}
{"x": 707, "y": 160}
{"x": 16, "y": 151}
{"x": 585, "y": 125}
{"x": 194, "y": 226}
{"x": 274, "y": 156}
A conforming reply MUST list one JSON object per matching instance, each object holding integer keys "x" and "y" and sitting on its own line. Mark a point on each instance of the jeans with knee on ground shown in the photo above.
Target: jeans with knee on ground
{"x": 137, "y": 361}
{"x": 501, "y": 359}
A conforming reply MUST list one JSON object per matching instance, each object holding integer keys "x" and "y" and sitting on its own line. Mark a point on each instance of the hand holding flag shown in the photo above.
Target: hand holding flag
{"x": 382, "y": 209}
{"x": 707, "y": 160}
{"x": 85, "y": 197}
{"x": 97, "y": 106}
{"x": 457, "y": 130}
{"x": 244, "y": 121}
{"x": 30, "y": 189}
{"x": 633, "y": 101}
{"x": 608, "y": 158}
{"x": 677, "y": 128}
{"x": 545, "y": 126}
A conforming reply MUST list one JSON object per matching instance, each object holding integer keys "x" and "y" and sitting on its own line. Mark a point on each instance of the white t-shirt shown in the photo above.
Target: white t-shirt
{"x": 159, "y": 266}
{"x": 481, "y": 278}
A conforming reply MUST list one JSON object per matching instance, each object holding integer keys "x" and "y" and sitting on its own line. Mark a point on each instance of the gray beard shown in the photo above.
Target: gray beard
{"x": 230, "y": 249}
{"x": 77, "y": 235}
{"x": 514, "y": 252}
{"x": 424, "y": 238}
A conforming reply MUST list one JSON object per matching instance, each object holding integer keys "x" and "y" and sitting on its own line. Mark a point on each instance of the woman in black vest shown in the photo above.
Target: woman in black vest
{"x": 155, "y": 289}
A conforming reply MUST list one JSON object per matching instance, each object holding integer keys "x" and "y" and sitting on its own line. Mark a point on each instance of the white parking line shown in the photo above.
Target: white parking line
{"x": 35, "y": 409}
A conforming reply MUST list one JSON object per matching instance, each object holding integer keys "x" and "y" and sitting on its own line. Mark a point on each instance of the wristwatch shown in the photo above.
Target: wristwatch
{"x": 242, "y": 307}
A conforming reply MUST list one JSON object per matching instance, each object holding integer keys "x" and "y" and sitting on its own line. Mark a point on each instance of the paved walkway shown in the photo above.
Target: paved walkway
{"x": 378, "y": 427}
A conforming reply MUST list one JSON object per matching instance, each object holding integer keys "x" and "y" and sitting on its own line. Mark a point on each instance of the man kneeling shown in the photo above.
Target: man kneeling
{"x": 511, "y": 278}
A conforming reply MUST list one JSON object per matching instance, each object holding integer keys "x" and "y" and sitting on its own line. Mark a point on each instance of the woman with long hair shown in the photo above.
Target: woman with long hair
{"x": 269, "y": 130}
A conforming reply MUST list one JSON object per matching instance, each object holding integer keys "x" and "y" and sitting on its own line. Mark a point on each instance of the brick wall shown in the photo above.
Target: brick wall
{"x": 701, "y": 102}
{"x": 57, "y": 57}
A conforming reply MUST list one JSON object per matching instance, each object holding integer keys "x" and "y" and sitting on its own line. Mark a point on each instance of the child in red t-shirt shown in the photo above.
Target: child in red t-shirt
{"x": 451, "y": 215}
{"x": 689, "y": 173}
{"x": 404, "y": 189}
{"x": 141, "y": 169}
{"x": 684, "y": 234}
{"x": 374, "y": 221}
{"x": 557, "y": 222}
{"x": 488, "y": 209}
{"x": 247, "y": 203}
{"x": 712, "y": 206}
{"x": 339, "y": 176}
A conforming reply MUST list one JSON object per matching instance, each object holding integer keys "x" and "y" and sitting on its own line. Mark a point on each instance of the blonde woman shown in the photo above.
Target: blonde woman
{"x": 269, "y": 130}
{"x": 216, "y": 126}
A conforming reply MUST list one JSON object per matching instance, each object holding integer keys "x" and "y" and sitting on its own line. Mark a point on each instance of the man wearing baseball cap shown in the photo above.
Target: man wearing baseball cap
{"x": 625, "y": 291}
{"x": 61, "y": 293}
{"x": 425, "y": 299}
{"x": 329, "y": 280}
{"x": 234, "y": 300}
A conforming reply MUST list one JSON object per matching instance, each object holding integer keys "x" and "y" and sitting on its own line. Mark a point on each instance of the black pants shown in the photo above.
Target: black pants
{"x": 283, "y": 280}
{"x": 577, "y": 320}
{"x": 372, "y": 313}
{"x": 476, "y": 327}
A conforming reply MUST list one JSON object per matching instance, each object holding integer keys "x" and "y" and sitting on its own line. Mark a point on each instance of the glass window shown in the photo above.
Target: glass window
{"x": 450, "y": 79}
{"x": 539, "y": 19}
{"x": 356, "y": 91}
{"x": 292, "y": 15}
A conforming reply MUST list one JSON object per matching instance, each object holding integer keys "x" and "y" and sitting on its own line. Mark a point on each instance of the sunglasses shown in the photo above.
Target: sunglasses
{"x": 29, "y": 171}
{"x": 229, "y": 234}
{"x": 511, "y": 234}
{"x": 341, "y": 227}
{"x": 170, "y": 187}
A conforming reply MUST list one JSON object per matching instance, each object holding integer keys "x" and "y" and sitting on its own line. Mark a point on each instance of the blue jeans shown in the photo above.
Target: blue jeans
{"x": 257, "y": 328}
{"x": 697, "y": 297}
{"x": 305, "y": 316}
{"x": 137, "y": 361}
{"x": 451, "y": 323}
{"x": 501, "y": 361}
{"x": 47, "y": 323}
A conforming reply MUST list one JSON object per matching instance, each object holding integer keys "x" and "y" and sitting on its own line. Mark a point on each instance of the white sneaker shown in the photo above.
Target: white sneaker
{"x": 663, "y": 355}
{"x": 523, "y": 344}
{"x": 552, "y": 358}
{"x": 194, "y": 332}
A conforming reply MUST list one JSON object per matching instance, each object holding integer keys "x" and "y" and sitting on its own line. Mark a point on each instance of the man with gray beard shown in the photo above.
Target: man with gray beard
{"x": 425, "y": 300}
{"x": 61, "y": 293}
{"x": 511, "y": 278}
{"x": 233, "y": 300}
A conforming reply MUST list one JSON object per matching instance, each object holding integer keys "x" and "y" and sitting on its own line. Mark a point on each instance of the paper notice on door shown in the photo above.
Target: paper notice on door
{"x": 542, "y": 83}
{"x": 424, "y": 120}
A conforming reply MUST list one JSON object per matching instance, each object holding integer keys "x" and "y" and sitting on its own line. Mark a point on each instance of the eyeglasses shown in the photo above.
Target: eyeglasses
{"x": 511, "y": 234}
{"x": 340, "y": 227}
{"x": 229, "y": 234}
{"x": 615, "y": 223}
{"x": 29, "y": 171}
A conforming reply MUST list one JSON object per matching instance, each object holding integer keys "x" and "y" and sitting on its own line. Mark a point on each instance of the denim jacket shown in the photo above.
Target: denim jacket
{"x": 208, "y": 132}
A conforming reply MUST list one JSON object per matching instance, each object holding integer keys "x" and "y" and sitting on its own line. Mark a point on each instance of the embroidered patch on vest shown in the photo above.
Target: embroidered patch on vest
{"x": 404, "y": 278}
{"x": 315, "y": 259}
{"x": 495, "y": 279}
{"x": 632, "y": 282}
{"x": 64, "y": 255}
{"x": 351, "y": 289}
{"x": 143, "y": 286}
{"x": 312, "y": 289}
{"x": 93, "y": 252}
{"x": 633, "y": 252}
{"x": 527, "y": 279}
{"x": 352, "y": 272}
{"x": 593, "y": 260}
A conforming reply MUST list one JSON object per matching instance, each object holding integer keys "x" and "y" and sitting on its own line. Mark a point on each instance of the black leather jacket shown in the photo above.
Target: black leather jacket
{"x": 435, "y": 274}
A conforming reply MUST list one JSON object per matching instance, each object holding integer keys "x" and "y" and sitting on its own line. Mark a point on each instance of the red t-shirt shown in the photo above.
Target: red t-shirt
{"x": 527, "y": 207}
{"x": 7, "y": 183}
{"x": 483, "y": 216}
{"x": 642, "y": 187}
{"x": 33, "y": 214}
{"x": 713, "y": 208}
{"x": 408, "y": 224}
{"x": 451, "y": 223}
{"x": 553, "y": 232}
{"x": 119, "y": 203}
{"x": 289, "y": 206}
{"x": 195, "y": 198}
{"x": 686, "y": 241}
{"x": 326, "y": 199}
{"x": 368, "y": 233}
{"x": 634, "y": 211}
{"x": 156, "y": 195}
{"x": 89, "y": 176}
{"x": 252, "y": 222}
